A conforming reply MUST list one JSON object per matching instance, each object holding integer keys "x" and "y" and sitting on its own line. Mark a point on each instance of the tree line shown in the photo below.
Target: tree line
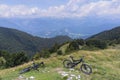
{"x": 10, "y": 60}
{"x": 76, "y": 44}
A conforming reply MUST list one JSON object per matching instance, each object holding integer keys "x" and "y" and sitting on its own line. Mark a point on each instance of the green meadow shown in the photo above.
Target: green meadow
{"x": 105, "y": 65}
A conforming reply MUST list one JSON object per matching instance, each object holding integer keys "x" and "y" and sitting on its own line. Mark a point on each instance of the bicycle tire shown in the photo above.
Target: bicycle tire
{"x": 86, "y": 69}
{"x": 67, "y": 63}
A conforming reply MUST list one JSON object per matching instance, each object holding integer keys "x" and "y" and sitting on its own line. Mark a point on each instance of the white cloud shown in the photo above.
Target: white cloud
{"x": 109, "y": 8}
{"x": 16, "y": 11}
{"x": 74, "y": 8}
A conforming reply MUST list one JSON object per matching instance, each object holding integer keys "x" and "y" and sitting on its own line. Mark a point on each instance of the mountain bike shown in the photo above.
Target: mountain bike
{"x": 85, "y": 68}
{"x": 35, "y": 66}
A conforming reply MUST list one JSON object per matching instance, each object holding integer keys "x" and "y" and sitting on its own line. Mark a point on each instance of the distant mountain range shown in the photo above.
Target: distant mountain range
{"x": 51, "y": 27}
{"x": 13, "y": 40}
{"x": 64, "y": 31}
{"x": 111, "y": 35}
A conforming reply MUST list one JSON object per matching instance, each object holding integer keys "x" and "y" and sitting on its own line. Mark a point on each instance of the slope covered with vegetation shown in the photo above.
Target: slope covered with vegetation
{"x": 104, "y": 59}
{"x": 14, "y": 41}
{"x": 105, "y": 65}
{"x": 112, "y": 35}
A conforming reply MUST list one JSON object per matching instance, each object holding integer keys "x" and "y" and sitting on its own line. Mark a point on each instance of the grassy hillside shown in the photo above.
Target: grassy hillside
{"x": 13, "y": 40}
{"x": 105, "y": 65}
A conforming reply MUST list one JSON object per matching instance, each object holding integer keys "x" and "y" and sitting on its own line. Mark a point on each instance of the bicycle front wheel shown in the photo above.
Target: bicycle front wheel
{"x": 86, "y": 69}
{"x": 67, "y": 63}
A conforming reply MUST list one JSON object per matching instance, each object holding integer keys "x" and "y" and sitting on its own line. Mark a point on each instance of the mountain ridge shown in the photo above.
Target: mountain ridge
{"x": 14, "y": 40}
{"x": 110, "y": 35}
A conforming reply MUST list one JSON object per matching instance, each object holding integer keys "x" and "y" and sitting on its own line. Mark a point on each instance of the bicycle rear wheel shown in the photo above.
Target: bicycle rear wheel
{"x": 86, "y": 69}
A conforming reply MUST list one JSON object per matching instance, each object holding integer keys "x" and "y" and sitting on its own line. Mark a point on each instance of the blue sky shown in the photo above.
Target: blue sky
{"x": 59, "y": 8}
{"x": 32, "y": 3}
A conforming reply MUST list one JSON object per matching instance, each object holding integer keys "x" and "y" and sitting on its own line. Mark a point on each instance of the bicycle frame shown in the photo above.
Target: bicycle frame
{"x": 76, "y": 62}
{"x": 34, "y": 67}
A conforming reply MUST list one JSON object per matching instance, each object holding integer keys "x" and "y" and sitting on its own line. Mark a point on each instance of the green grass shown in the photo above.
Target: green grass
{"x": 64, "y": 47}
{"x": 43, "y": 75}
{"x": 105, "y": 65}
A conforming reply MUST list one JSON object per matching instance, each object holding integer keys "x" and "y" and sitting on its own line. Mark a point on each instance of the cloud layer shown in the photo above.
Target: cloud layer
{"x": 74, "y": 8}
